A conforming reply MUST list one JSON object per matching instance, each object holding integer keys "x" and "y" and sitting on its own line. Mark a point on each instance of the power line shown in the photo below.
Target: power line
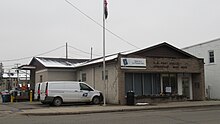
{"x": 50, "y": 50}
{"x": 82, "y": 50}
{"x": 11, "y": 60}
{"x": 86, "y": 56}
{"x": 100, "y": 25}
{"x": 23, "y": 58}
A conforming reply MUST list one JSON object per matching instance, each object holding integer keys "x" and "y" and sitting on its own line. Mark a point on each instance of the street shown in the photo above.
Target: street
{"x": 204, "y": 115}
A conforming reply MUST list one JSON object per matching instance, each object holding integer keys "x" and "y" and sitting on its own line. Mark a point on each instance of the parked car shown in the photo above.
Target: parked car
{"x": 4, "y": 92}
{"x": 20, "y": 95}
{"x": 15, "y": 92}
{"x": 37, "y": 91}
{"x": 58, "y": 92}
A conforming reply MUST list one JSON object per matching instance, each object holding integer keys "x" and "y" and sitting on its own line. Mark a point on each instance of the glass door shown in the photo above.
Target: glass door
{"x": 185, "y": 86}
{"x": 169, "y": 83}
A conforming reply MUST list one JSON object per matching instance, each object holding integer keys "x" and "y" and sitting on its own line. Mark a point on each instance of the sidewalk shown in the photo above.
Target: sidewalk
{"x": 68, "y": 110}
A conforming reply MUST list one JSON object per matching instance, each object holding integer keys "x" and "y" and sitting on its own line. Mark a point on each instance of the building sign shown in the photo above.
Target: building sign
{"x": 168, "y": 89}
{"x": 173, "y": 65}
{"x": 165, "y": 64}
{"x": 133, "y": 62}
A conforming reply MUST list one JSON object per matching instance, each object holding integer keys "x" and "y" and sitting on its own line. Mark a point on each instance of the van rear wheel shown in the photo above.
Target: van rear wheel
{"x": 96, "y": 100}
{"x": 57, "y": 101}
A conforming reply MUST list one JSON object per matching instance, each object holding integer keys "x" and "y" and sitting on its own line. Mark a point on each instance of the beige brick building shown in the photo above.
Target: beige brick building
{"x": 160, "y": 72}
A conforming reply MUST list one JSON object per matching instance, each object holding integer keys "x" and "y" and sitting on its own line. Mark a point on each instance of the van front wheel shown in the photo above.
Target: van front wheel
{"x": 96, "y": 100}
{"x": 57, "y": 101}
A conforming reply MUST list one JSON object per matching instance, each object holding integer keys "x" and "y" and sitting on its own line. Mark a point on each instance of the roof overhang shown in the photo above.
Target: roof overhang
{"x": 27, "y": 67}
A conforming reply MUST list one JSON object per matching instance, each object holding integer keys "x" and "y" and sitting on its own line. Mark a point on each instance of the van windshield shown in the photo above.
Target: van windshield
{"x": 85, "y": 87}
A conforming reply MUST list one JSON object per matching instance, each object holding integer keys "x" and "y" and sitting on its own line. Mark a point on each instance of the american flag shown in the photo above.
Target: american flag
{"x": 105, "y": 9}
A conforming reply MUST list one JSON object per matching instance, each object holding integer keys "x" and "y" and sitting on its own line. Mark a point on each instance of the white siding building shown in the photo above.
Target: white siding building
{"x": 210, "y": 51}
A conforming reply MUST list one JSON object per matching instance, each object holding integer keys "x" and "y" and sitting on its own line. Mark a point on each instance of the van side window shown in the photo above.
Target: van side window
{"x": 85, "y": 87}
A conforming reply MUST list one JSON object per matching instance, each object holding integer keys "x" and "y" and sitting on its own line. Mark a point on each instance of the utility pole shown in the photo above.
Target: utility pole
{"x": 66, "y": 51}
{"x": 91, "y": 53}
{"x": 1, "y": 71}
{"x": 104, "y": 79}
{"x": 1, "y": 75}
{"x": 17, "y": 74}
{"x": 9, "y": 81}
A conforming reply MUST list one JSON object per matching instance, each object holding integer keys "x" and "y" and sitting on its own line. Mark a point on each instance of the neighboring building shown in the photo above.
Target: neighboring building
{"x": 155, "y": 73}
{"x": 52, "y": 69}
{"x": 12, "y": 80}
{"x": 210, "y": 51}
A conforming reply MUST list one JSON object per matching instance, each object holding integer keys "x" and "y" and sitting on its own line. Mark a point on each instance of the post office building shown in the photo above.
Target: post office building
{"x": 154, "y": 74}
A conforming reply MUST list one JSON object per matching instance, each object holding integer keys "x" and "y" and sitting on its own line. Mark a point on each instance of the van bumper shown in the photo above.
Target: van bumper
{"x": 101, "y": 98}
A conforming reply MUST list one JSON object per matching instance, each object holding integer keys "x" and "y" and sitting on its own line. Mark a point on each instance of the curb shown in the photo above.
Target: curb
{"x": 116, "y": 110}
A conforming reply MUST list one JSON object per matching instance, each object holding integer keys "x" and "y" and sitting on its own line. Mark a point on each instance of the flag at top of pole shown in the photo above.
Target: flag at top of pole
{"x": 105, "y": 9}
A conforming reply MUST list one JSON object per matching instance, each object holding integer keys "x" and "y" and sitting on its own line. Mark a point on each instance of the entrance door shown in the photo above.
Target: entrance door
{"x": 186, "y": 87}
{"x": 166, "y": 84}
{"x": 169, "y": 83}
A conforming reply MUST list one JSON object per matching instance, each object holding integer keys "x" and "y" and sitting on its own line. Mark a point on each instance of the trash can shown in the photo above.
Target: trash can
{"x": 6, "y": 97}
{"x": 130, "y": 98}
{"x": 3, "y": 98}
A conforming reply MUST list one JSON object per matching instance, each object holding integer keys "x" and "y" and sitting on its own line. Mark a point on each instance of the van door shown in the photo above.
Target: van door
{"x": 37, "y": 91}
{"x": 71, "y": 92}
{"x": 186, "y": 87}
{"x": 42, "y": 91}
{"x": 86, "y": 92}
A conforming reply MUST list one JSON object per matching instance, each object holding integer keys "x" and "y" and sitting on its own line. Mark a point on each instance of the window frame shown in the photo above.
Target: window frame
{"x": 83, "y": 77}
{"x": 41, "y": 78}
{"x": 146, "y": 80}
{"x": 211, "y": 55}
{"x": 106, "y": 75}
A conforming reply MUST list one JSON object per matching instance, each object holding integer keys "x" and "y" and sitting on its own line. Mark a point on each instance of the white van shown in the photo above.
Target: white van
{"x": 37, "y": 91}
{"x": 58, "y": 92}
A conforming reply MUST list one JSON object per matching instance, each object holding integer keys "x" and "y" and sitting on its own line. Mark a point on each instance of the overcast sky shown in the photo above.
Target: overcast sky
{"x": 32, "y": 27}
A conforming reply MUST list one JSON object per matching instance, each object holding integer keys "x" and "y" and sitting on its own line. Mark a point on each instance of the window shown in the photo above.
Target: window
{"x": 106, "y": 75}
{"x": 41, "y": 78}
{"x": 85, "y": 87}
{"x": 128, "y": 82}
{"x": 170, "y": 82}
{"x": 142, "y": 83}
{"x": 197, "y": 85}
{"x": 84, "y": 77}
{"x": 138, "y": 84}
{"x": 211, "y": 56}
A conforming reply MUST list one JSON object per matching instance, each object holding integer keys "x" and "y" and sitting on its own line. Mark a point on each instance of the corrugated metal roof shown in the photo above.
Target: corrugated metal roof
{"x": 99, "y": 60}
{"x": 71, "y": 63}
{"x": 60, "y": 62}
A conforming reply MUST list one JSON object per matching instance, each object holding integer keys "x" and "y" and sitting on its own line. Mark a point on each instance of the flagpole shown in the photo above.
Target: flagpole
{"x": 104, "y": 96}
